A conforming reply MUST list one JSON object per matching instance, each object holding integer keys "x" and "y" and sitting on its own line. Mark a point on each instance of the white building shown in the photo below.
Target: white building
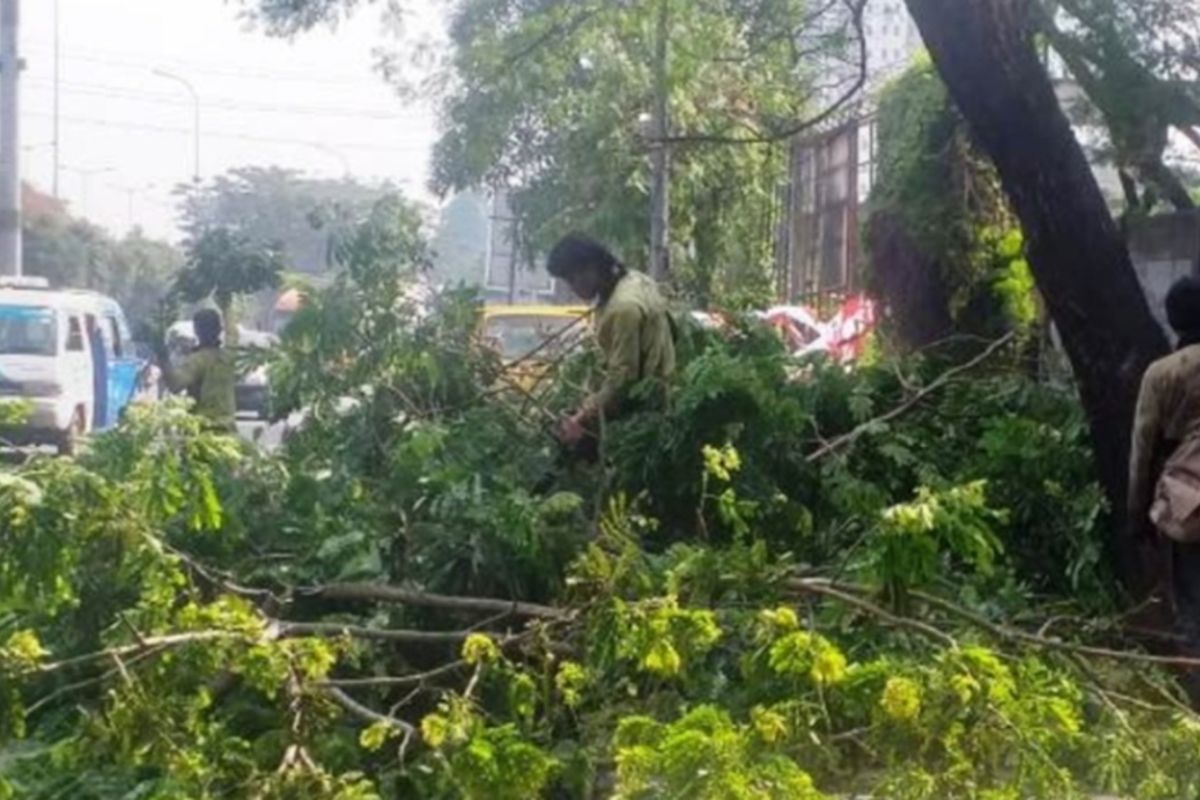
{"x": 892, "y": 39}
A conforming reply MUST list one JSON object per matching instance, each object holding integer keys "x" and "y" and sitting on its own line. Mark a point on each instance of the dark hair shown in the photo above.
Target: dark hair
{"x": 575, "y": 252}
{"x": 208, "y": 326}
{"x": 1183, "y": 306}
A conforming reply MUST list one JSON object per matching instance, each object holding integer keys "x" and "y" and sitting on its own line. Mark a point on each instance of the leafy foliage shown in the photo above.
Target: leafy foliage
{"x": 763, "y": 591}
{"x": 223, "y": 264}
{"x": 949, "y": 201}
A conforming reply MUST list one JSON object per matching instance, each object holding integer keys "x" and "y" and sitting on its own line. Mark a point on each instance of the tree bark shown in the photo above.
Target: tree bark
{"x": 985, "y": 52}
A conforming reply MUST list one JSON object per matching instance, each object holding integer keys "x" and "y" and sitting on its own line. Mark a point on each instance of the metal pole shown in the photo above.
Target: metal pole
{"x": 57, "y": 91}
{"x": 185, "y": 83}
{"x": 10, "y": 138}
{"x": 660, "y": 195}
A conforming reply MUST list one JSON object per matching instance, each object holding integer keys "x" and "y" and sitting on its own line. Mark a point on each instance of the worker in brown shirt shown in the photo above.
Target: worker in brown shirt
{"x": 1168, "y": 415}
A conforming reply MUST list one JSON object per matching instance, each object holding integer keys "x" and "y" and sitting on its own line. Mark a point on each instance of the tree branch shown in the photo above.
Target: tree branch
{"x": 829, "y": 589}
{"x": 384, "y": 593}
{"x": 856, "y": 9}
{"x": 288, "y": 630}
{"x": 845, "y": 440}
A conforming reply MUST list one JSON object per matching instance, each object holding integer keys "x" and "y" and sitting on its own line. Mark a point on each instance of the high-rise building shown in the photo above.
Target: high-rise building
{"x": 892, "y": 39}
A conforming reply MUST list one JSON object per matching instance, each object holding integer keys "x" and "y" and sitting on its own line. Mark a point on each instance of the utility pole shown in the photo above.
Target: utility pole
{"x": 10, "y": 138}
{"x": 57, "y": 92}
{"x": 660, "y": 193}
{"x": 186, "y": 84}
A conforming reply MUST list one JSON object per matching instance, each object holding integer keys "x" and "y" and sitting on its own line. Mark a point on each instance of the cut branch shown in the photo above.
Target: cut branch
{"x": 845, "y": 440}
{"x": 384, "y": 593}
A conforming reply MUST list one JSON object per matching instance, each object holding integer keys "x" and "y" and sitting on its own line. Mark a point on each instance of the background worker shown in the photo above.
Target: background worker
{"x": 208, "y": 374}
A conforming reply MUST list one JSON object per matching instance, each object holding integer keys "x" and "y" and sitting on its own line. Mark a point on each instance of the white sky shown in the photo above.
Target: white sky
{"x": 313, "y": 104}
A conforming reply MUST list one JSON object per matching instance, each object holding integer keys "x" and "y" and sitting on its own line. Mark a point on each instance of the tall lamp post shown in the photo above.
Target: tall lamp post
{"x": 186, "y": 84}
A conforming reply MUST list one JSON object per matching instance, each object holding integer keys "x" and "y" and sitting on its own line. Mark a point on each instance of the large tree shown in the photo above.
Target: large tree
{"x": 985, "y": 52}
{"x": 1137, "y": 62}
{"x": 274, "y": 205}
{"x": 72, "y": 252}
{"x": 551, "y": 99}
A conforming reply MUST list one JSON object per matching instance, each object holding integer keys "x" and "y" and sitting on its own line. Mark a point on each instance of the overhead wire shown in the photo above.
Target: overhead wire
{"x": 244, "y": 72}
{"x": 230, "y": 104}
{"x": 149, "y": 127}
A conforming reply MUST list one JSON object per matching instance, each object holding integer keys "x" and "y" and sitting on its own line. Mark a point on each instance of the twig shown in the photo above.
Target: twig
{"x": 335, "y": 629}
{"x": 385, "y": 593}
{"x": 849, "y": 438}
{"x": 70, "y": 688}
{"x": 149, "y": 643}
{"x": 372, "y": 716}
{"x": 828, "y": 589}
{"x": 417, "y": 678}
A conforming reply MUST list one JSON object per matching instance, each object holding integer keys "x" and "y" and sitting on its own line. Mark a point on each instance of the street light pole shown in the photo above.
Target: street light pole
{"x": 85, "y": 176}
{"x": 185, "y": 83}
{"x": 10, "y": 138}
{"x": 57, "y": 105}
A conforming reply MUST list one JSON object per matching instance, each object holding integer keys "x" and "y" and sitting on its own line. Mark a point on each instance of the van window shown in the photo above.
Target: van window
{"x": 112, "y": 333}
{"x": 28, "y": 331}
{"x": 75, "y": 336}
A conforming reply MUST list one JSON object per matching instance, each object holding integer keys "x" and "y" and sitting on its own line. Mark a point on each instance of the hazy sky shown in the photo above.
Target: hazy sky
{"x": 312, "y": 104}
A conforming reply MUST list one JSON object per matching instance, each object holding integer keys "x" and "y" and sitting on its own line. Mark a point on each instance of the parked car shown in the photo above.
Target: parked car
{"x": 253, "y": 388}
{"x": 57, "y": 348}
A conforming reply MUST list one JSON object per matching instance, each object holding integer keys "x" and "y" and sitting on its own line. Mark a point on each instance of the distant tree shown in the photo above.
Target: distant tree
{"x": 460, "y": 240}
{"x": 222, "y": 265}
{"x": 270, "y": 204}
{"x": 69, "y": 252}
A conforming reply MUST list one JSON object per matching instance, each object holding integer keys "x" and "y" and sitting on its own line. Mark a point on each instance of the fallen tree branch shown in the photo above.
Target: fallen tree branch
{"x": 374, "y": 717}
{"x": 384, "y": 593}
{"x": 828, "y": 589}
{"x": 849, "y": 595}
{"x": 149, "y": 643}
{"x": 847, "y": 439}
{"x": 291, "y": 630}
{"x": 387, "y": 681}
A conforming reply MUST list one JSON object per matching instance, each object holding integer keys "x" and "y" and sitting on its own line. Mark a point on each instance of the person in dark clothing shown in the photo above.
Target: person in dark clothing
{"x": 99, "y": 352}
{"x": 1168, "y": 418}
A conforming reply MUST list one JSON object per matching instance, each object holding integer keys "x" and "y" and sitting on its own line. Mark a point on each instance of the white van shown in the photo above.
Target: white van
{"x": 69, "y": 355}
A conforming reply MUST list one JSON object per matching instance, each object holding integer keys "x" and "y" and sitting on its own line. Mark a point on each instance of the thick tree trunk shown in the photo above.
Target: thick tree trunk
{"x": 985, "y": 53}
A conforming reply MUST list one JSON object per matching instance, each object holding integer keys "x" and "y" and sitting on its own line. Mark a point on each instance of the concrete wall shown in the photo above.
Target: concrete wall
{"x": 1164, "y": 249}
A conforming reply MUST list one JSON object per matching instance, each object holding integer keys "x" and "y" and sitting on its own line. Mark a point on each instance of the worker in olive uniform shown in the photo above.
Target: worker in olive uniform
{"x": 208, "y": 374}
{"x": 633, "y": 329}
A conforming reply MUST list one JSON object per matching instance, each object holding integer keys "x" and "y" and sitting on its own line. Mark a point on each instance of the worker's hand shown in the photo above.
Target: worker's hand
{"x": 571, "y": 430}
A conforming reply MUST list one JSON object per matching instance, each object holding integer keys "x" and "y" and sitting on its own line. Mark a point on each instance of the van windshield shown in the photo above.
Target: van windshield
{"x": 28, "y": 331}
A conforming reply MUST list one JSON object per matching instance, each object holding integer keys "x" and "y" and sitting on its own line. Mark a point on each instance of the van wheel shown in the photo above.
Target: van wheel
{"x": 68, "y": 440}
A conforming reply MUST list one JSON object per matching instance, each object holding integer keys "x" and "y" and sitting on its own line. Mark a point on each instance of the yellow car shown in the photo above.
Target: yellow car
{"x": 530, "y": 338}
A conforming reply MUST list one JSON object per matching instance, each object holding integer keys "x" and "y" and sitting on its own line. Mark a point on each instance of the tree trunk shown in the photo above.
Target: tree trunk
{"x": 985, "y": 53}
